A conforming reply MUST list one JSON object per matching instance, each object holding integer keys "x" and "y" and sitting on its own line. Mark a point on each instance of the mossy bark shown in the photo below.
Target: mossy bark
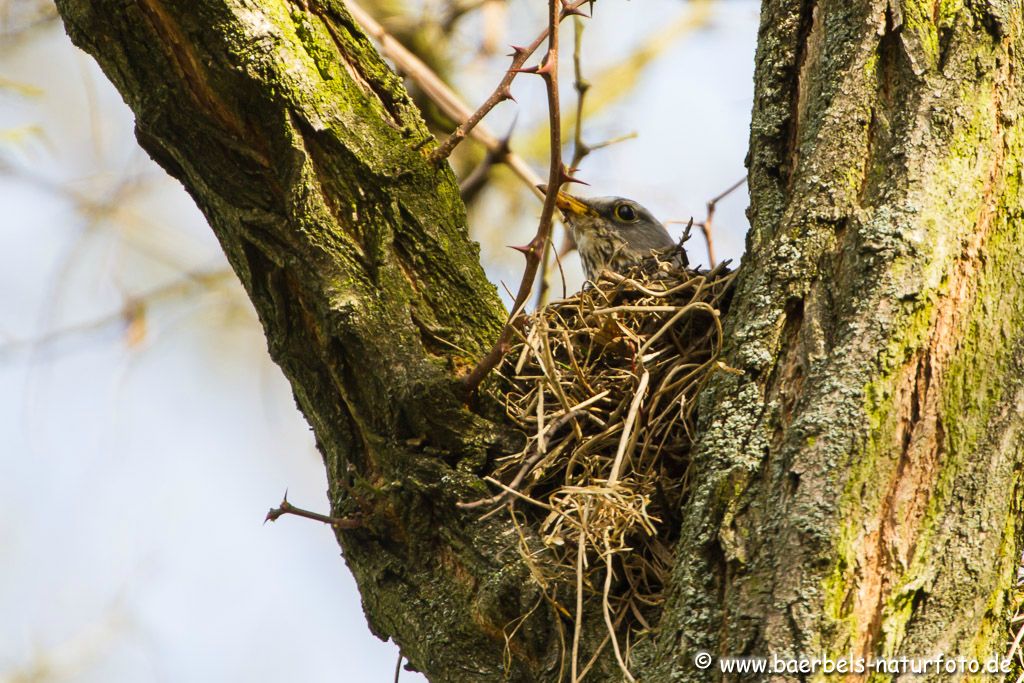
{"x": 309, "y": 161}
{"x": 860, "y": 484}
{"x": 858, "y": 487}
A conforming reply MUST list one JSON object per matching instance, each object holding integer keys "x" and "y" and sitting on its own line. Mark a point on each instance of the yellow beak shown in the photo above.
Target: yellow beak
{"x": 572, "y": 206}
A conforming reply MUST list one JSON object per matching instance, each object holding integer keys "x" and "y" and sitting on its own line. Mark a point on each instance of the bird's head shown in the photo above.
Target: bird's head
{"x": 612, "y": 232}
{"x": 628, "y": 220}
{"x": 622, "y": 216}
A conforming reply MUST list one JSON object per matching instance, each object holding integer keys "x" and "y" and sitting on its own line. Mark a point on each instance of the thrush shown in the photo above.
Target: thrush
{"x": 613, "y": 233}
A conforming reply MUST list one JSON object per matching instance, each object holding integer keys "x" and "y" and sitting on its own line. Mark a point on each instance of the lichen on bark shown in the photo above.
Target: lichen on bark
{"x": 881, "y": 470}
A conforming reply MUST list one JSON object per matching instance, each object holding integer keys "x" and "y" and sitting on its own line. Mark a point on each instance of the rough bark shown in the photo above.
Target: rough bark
{"x": 860, "y": 484}
{"x": 858, "y": 487}
{"x": 309, "y": 161}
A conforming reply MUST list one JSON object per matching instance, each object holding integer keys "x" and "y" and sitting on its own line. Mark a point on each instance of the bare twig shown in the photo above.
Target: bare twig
{"x": 287, "y": 508}
{"x": 705, "y": 227}
{"x": 556, "y": 176}
{"x": 501, "y": 93}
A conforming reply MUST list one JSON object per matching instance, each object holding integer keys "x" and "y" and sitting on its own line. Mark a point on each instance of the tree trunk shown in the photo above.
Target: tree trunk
{"x": 858, "y": 487}
{"x": 861, "y": 483}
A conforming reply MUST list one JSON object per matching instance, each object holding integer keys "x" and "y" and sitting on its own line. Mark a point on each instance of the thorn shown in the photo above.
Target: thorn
{"x": 275, "y": 513}
{"x": 547, "y": 67}
{"x": 526, "y": 250}
{"x": 517, "y": 50}
{"x": 504, "y": 148}
{"x": 568, "y": 177}
{"x": 574, "y": 11}
{"x": 506, "y": 94}
{"x": 511, "y": 129}
{"x": 526, "y": 70}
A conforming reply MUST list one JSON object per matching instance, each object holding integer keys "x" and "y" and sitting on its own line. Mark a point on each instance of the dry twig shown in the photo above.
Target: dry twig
{"x": 286, "y": 508}
{"x": 705, "y": 227}
{"x": 557, "y": 175}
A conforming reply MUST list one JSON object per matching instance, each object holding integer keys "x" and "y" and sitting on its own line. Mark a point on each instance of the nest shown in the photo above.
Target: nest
{"x": 605, "y": 384}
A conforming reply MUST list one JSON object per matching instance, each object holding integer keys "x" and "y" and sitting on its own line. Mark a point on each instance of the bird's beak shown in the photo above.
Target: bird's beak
{"x": 570, "y": 206}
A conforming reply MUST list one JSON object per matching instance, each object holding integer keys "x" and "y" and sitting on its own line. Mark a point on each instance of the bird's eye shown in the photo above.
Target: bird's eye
{"x": 625, "y": 212}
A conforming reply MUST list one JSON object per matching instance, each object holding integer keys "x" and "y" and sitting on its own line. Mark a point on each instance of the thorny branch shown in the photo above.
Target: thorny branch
{"x": 439, "y": 93}
{"x": 501, "y": 93}
{"x": 287, "y": 508}
{"x": 557, "y": 175}
{"x": 580, "y": 151}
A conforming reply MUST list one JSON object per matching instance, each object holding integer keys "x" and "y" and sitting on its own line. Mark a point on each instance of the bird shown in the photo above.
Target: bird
{"x": 613, "y": 233}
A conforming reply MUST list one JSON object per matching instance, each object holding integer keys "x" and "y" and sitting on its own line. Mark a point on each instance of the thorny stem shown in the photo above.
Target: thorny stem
{"x": 287, "y": 508}
{"x": 580, "y": 149}
{"x": 556, "y": 176}
{"x": 440, "y": 93}
{"x": 502, "y": 92}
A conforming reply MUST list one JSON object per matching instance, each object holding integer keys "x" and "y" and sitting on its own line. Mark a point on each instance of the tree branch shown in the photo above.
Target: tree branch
{"x": 557, "y": 175}
{"x": 355, "y": 253}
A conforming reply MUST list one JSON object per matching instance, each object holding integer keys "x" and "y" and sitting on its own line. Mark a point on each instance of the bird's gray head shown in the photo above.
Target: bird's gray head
{"x": 612, "y": 233}
{"x": 630, "y": 222}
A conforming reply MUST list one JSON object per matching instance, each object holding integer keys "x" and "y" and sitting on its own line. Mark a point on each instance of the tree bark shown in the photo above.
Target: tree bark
{"x": 308, "y": 159}
{"x": 861, "y": 483}
{"x": 859, "y": 487}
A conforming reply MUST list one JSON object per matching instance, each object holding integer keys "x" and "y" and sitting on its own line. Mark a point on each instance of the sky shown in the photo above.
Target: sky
{"x": 141, "y": 444}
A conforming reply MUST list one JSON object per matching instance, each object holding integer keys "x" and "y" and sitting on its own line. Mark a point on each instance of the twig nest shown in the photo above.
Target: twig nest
{"x": 605, "y": 384}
